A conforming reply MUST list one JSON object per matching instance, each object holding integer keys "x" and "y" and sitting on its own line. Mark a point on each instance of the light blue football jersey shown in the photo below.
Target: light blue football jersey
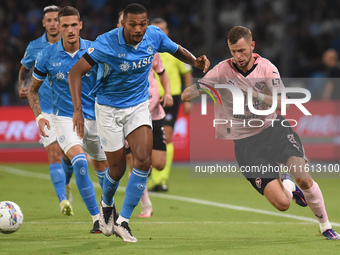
{"x": 55, "y": 62}
{"x": 31, "y": 55}
{"x": 123, "y": 69}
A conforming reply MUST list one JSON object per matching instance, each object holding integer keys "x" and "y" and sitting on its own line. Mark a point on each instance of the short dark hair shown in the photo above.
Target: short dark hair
{"x": 68, "y": 11}
{"x": 237, "y": 33}
{"x": 134, "y": 9}
{"x": 159, "y": 21}
{"x": 51, "y": 8}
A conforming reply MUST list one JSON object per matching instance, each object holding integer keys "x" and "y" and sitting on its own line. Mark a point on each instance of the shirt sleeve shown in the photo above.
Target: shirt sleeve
{"x": 273, "y": 79}
{"x": 97, "y": 51}
{"x": 29, "y": 57}
{"x": 40, "y": 70}
{"x": 165, "y": 44}
{"x": 211, "y": 78}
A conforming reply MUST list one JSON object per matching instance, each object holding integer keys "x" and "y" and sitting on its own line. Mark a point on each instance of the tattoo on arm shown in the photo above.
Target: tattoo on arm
{"x": 23, "y": 76}
{"x": 33, "y": 96}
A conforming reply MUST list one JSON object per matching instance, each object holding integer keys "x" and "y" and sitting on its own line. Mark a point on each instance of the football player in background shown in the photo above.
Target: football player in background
{"x": 55, "y": 62}
{"x": 61, "y": 168}
{"x": 177, "y": 70}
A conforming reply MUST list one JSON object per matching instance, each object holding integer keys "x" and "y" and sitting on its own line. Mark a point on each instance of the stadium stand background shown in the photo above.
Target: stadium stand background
{"x": 293, "y": 34}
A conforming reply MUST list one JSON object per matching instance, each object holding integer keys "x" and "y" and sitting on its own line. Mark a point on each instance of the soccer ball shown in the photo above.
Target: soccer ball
{"x": 11, "y": 217}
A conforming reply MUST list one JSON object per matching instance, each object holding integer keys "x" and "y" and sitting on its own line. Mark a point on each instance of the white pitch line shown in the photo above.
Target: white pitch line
{"x": 184, "y": 222}
{"x": 16, "y": 171}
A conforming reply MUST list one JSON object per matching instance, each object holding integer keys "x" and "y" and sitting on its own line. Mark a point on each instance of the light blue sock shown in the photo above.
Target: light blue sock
{"x": 109, "y": 188}
{"x": 58, "y": 179}
{"x": 133, "y": 192}
{"x": 68, "y": 169}
{"x": 101, "y": 175}
{"x": 84, "y": 183}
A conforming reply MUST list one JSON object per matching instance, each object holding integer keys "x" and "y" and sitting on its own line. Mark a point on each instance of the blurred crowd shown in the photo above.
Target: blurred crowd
{"x": 293, "y": 34}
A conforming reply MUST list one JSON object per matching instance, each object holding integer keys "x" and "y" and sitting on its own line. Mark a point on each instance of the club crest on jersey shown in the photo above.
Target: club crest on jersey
{"x": 90, "y": 50}
{"x": 150, "y": 50}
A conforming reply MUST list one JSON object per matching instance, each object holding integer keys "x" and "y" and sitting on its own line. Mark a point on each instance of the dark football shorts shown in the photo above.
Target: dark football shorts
{"x": 172, "y": 112}
{"x": 159, "y": 142}
{"x": 260, "y": 156}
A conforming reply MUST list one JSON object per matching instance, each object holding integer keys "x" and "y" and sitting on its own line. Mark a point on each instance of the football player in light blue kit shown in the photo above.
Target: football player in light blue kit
{"x": 55, "y": 62}
{"x": 125, "y": 55}
{"x": 61, "y": 169}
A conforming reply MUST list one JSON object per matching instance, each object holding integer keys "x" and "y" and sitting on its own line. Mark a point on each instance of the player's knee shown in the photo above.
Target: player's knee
{"x": 116, "y": 174}
{"x": 299, "y": 162}
{"x": 54, "y": 156}
{"x": 142, "y": 163}
{"x": 100, "y": 165}
{"x": 142, "y": 159}
{"x": 159, "y": 165}
{"x": 304, "y": 183}
{"x": 282, "y": 205}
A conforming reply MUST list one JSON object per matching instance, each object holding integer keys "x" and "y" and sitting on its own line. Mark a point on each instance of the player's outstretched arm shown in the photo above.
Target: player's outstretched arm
{"x": 33, "y": 99}
{"x": 74, "y": 82}
{"x": 23, "y": 79}
{"x": 190, "y": 93}
{"x": 186, "y": 56}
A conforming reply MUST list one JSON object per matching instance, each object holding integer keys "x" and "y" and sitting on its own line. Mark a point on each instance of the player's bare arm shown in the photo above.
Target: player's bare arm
{"x": 185, "y": 56}
{"x": 33, "y": 99}
{"x": 167, "y": 97}
{"x": 23, "y": 78}
{"x": 187, "y": 82}
{"x": 190, "y": 93}
{"x": 74, "y": 82}
{"x": 33, "y": 96}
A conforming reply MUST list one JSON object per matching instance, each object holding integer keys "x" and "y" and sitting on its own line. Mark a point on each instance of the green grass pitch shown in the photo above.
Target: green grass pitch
{"x": 196, "y": 216}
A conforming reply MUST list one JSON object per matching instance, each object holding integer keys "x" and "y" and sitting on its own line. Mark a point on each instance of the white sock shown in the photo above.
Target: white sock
{"x": 95, "y": 217}
{"x": 121, "y": 219}
{"x": 324, "y": 226}
{"x": 105, "y": 205}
